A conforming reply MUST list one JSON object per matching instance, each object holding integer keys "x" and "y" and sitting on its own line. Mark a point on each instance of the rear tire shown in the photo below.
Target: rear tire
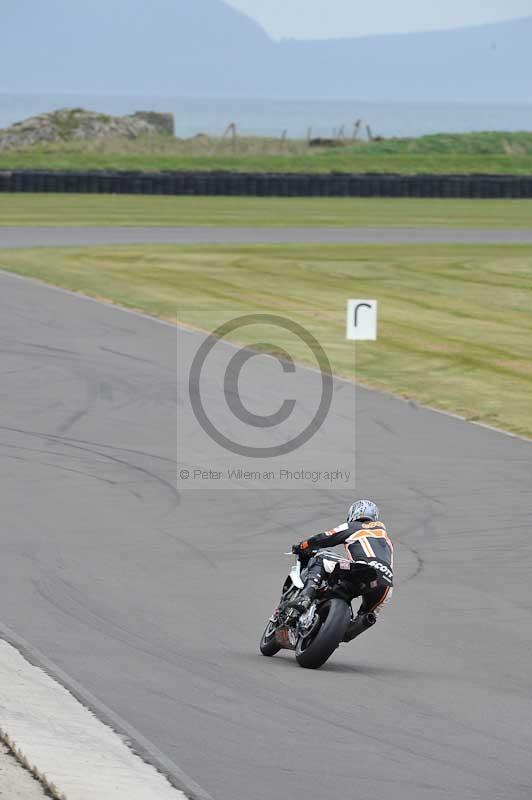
{"x": 268, "y": 643}
{"x": 335, "y": 615}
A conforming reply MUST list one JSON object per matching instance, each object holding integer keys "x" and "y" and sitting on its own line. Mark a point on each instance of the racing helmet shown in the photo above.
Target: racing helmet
{"x": 363, "y": 509}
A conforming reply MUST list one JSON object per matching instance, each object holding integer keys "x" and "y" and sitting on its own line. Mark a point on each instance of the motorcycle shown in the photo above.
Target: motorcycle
{"x": 315, "y": 634}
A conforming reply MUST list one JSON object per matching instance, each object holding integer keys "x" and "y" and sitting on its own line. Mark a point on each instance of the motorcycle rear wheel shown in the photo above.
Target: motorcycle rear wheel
{"x": 335, "y": 615}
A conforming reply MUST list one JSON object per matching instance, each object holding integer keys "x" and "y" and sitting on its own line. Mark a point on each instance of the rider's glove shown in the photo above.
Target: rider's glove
{"x": 301, "y": 549}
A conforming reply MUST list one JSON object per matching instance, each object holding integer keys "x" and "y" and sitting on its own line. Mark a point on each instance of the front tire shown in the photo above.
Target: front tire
{"x": 268, "y": 643}
{"x": 335, "y": 615}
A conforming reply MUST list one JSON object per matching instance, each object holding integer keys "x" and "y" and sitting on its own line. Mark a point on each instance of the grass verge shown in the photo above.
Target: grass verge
{"x": 490, "y": 152}
{"x": 129, "y": 210}
{"x": 455, "y": 328}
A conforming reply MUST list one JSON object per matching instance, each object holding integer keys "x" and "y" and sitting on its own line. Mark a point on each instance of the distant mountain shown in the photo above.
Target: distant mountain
{"x": 205, "y": 47}
{"x": 485, "y": 63}
{"x": 130, "y": 46}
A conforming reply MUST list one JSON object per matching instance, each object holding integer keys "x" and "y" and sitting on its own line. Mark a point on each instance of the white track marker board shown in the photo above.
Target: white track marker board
{"x": 362, "y": 319}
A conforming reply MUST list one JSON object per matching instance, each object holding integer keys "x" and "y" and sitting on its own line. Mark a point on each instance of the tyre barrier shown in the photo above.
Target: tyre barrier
{"x": 244, "y": 184}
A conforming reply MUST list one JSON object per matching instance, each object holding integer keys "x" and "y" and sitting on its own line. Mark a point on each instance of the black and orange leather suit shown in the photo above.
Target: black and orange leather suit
{"x": 363, "y": 541}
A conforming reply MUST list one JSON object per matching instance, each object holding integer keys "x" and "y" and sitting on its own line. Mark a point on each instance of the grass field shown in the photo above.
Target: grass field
{"x": 128, "y": 210}
{"x": 455, "y": 327}
{"x": 502, "y": 153}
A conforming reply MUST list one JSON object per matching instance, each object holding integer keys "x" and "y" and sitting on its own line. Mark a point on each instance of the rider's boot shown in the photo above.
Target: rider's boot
{"x": 307, "y": 595}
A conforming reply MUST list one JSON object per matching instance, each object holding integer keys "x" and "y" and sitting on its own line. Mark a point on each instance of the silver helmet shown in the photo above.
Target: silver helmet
{"x": 363, "y": 509}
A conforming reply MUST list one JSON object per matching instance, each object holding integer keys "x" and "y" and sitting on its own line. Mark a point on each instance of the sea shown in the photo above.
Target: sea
{"x": 293, "y": 118}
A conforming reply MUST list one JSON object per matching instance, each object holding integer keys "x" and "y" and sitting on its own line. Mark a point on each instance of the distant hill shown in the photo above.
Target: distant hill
{"x": 484, "y": 63}
{"x": 130, "y": 46}
{"x": 205, "y": 47}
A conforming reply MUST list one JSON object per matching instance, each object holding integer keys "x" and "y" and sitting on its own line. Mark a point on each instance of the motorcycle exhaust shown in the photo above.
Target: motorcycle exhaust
{"x": 359, "y": 625}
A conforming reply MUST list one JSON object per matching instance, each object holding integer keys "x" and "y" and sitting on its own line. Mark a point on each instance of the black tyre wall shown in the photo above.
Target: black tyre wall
{"x": 267, "y": 185}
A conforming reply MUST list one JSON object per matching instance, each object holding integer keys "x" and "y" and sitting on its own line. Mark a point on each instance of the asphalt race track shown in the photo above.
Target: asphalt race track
{"x": 62, "y": 237}
{"x": 153, "y": 595}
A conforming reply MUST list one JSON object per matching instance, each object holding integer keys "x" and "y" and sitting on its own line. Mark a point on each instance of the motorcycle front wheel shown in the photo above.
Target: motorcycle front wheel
{"x": 313, "y": 651}
{"x": 268, "y": 643}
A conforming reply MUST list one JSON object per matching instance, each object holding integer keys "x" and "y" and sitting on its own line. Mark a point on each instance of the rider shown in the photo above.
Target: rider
{"x": 366, "y": 540}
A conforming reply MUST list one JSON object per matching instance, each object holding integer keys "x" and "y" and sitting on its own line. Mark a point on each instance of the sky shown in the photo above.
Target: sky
{"x": 321, "y": 19}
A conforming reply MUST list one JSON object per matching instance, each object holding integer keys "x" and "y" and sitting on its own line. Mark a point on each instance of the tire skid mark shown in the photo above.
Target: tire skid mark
{"x": 62, "y": 468}
{"x": 71, "y": 443}
{"x": 69, "y": 439}
{"x": 73, "y": 607}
